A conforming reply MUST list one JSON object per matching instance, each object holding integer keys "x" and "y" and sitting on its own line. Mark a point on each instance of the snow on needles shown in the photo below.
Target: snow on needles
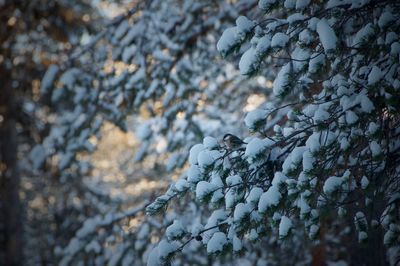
{"x": 175, "y": 230}
{"x": 332, "y": 184}
{"x": 233, "y": 36}
{"x": 326, "y": 35}
{"x": 256, "y": 146}
{"x": 216, "y": 243}
{"x": 269, "y": 199}
{"x": 284, "y": 226}
{"x": 281, "y": 81}
{"x": 251, "y": 59}
{"x": 255, "y": 117}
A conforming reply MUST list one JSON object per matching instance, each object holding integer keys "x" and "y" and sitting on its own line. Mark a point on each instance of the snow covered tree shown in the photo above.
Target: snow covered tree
{"x": 158, "y": 61}
{"x": 316, "y": 175}
{"x": 332, "y": 161}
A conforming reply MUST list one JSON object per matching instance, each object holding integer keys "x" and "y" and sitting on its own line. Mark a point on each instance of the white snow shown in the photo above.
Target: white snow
{"x": 162, "y": 56}
{"x": 375, "y": 75}
{"x": 276, "y": 216}
{"x": 293, "y": 159}
{"x": 135, "y": 78}
{"x": 263, "y": 44}
{"x": 344, "y": 144}
{"x": 194, "y": 153}
{"x": 233, "y": 180}
{"x": 351, "y": 117}
{"x": 313, "y": 142}
{"x": 251, "y": 59}
{"x": 255, "y": 147}
{"x": 279, "y": 179}
{"x": 194, "y": 174}
{"x": 269, "y": 199}
{"x": 165, "y": 248}
{"x": 326, "y": 35}
{"x": 332, "y": 184}
{"x": 360, "y": 220}
{"x": 375, "y": 148}
{"x": 306, "y": 37}
{"x": 232, "y": 197}
{"x": 121, "y": 29}
{"x": 279, "y": 40}
{"x": 366, "y": 104}
{"x": 312, "y": 23}
{"x": 364, "y": 182}
{"x": 158, "y": 254}
{"x": 228, "y": 40}
{"x": 301, "y": 4}
{"x": 144, "y": 231}
{"x": 391, "y": 37}
{"x": 143, "y": 131}
{"x": 217, "y": 196}
{"x": 347, "y": 102}
{"x": 248, "y": 61}
{"x": 265, "y": 4}
{"x": 308, "y": 160}
{"x": 205, "y": 159}
{"x": 181, "y": 185}
{"x": 210, "y": 143}
{"x": 254, "y": 117}
{"x": 254, "y": 195}
{"x": 385, "y": 18}
{"x": 196, "y": 228}
{"x": 216, "y": 243}
{"x": 216, "y": 217}
{"x": 284, "y": 226}
{"x": 130, "y": 35}
{"x": 48, "y": 78}
{"x": 301, "y": 57}
{"x": 244, "y": 24}
{"x": 69, "y": 76}
{"x": 316, "y": 61}
{"x": 372, "y": 128}
{"x": 289, "y": 4}
{"x": 253, "y": 235}
{"x": 216, "y": 179}
{"x": 295, "y": 17}
{"x": 309, "y": 110}
{"x": 282, "y": 80}
{"x": 395, "y": 49}
{"x": 175, "y": 230}
{"x": 37, "y": 156}
{"x": 233, "y": 36}
{"x": 241, "y": 210}
{"x": 237, "y": 244}
{"x": 128, "y": 53}
{"x": 321, "y": 115}
{"x": 204, "y": 188}
{"x": 363, "y": 34}
{"x": 93, "y": 246}
{"x": 304, "y": 207}
{"x": 65, "y": 160}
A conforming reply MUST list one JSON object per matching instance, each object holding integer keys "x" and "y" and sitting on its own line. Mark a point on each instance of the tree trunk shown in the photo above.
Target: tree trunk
{"x": 10, "y": 206}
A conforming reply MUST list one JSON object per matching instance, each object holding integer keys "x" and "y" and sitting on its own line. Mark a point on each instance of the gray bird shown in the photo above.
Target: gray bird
{"x": 232, "y": 142}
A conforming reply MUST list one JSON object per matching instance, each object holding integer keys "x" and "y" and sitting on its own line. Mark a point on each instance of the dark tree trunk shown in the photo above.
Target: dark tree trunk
{"x": 10, "y": 206}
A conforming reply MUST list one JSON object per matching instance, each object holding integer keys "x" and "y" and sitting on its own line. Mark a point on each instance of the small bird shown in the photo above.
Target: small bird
{"x": 232, "y": 142}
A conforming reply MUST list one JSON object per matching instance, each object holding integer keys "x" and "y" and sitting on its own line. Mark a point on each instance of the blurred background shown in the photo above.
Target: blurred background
{"x": 100, "y": 102}
{"x": 82, "y": 154}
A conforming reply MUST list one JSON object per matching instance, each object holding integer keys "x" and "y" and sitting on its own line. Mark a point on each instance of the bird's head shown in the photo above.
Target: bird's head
{"x": 227, "y": 137}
